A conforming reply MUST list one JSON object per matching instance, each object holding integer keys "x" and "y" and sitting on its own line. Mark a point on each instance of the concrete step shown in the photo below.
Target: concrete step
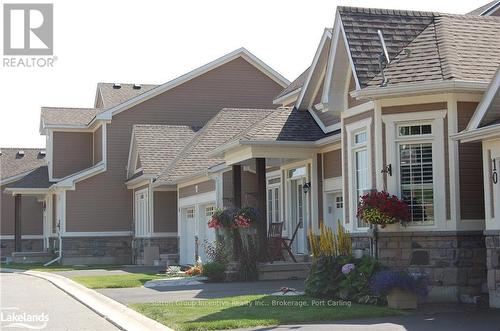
{"x": 283, "y": 270}
{"x": 32, "y": 257}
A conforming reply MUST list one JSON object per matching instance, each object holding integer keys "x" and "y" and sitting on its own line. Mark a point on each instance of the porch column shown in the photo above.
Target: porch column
{"x": 260, "y": 168}
{"x": 17, "y": 223}
{"x": 237, "y": 186}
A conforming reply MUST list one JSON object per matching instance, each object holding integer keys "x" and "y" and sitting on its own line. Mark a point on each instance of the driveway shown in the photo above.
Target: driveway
{"x": 27, "y": 298}
{"x": 197, "y": 292}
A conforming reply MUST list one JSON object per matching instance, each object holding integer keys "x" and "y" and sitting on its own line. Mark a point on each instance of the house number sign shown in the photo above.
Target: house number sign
{"x": 494, "y": 172}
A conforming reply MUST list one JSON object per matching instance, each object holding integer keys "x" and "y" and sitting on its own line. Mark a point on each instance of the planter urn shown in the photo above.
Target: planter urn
{"x": 401, "y": 299}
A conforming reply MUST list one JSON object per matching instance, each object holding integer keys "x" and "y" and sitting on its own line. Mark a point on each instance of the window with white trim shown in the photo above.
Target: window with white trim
{"x": 361, "y": 168}
{"x": 273, "y": 200}
{"x": 339, "y": 202}
{"x": 416, "y": 178}
{"x": 190, "y": 213}
{"x": 209, "y": 210}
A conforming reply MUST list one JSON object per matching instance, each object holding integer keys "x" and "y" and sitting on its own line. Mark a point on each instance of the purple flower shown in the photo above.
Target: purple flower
{"x": 347, "y": 268}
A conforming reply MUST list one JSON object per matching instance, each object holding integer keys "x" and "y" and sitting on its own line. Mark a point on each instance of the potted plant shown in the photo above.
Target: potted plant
{"x": 381, "y": 208}
{"x": 401, "y": 288}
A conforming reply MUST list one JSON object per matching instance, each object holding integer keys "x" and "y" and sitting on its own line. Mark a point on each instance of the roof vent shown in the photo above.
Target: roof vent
{"x": 383, "y": 59}
{"x": 42, "y": 153}
{"x": 137, "y": 86}
{"x": 117, "y": 85}
{"x": 20, "y": 153}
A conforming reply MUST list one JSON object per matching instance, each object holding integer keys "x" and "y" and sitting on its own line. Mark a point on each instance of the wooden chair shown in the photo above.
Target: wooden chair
{"x": 275, "y": 241}
{"x": 287, "y": 243}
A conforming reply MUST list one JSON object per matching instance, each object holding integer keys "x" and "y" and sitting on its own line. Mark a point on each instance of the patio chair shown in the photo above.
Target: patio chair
{"x": 287, "y": 243}
{"x": 275, "y": 242}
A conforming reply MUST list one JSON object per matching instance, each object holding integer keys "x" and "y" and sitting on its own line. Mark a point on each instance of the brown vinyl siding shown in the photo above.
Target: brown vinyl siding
{"x": 327, "y": 118}
{"x": 352, "y": 102}
{"x": 31, "y": 214}
{"x": 102, "y": 202}
{"x": 470, "y": 159}
{"x": 72, "y": 152}
{"x": 248, "y": 189}
{"x": 199, "y": 188}
{"x": 414, "y": 108}
{"x": 332, "y": 164}
{"x": 54, "y": 213}
{"x": 346, "y": 153}
{"x": 165, "y": 211}
{"x": 98, "y": 145}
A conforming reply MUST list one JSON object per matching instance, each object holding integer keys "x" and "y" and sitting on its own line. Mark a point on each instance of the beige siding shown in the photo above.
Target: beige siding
{"x": 332, "y": 164}
{"x": 349, "y": 120}
{"x": 199, "y": 188}
{"x": 352, "y": 102}
{"x": 73, "y": 151}
{"x": 470, "y": 161}
{"x": 414, "y": 108}
{"x": 31, "y": 214}
{"x": 248, "y": 188}
{"x": 165, "y": 211}
{"x": 98, "y": 145}
{"x": 102, "y": 202}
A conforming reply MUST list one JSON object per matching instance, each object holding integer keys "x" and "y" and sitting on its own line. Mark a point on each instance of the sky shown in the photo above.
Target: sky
{"x": 152, "y": 42}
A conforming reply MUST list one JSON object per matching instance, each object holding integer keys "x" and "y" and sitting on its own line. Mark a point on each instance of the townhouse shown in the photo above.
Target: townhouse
{"x": 397, "y": 101}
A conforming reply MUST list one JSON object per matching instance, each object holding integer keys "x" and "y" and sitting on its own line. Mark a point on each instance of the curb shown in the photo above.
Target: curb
{"x": 118, "y": 314}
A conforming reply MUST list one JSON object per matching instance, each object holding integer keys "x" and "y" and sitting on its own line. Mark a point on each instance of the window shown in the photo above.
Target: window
{"x": 361, "y": 170}
{"x": 190, "y": 213}
{"x": 414, "y": 130}
{"x": 339, "y": 202}
{"x": 416, "y": 180}
{"x": 273, "y": 200}
{"x": 209, "y": 211}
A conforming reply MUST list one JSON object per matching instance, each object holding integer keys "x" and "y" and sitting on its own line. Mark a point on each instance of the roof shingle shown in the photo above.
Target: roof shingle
{"x": 13, "y": 164}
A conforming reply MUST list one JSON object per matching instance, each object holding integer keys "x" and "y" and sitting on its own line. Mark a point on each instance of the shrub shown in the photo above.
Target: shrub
{"x": 328, "y": 243}
{"x": 342, "y": 277}
{"x": 214, "y": 271}
{"x": 216, "y": 251}
{"x": 384, "y": 281}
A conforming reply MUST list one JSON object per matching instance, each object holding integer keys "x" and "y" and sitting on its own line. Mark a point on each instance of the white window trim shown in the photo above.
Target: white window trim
{"x": 275, "y": 175}
{"x": 436, "y": 119}
{"x": 351, "y": 130}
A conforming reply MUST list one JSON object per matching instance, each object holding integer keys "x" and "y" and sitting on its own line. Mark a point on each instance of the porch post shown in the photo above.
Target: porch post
{"x": 260, "y": 168}
{"x": 236, "y": 185}
{"x": 17, "y": 223}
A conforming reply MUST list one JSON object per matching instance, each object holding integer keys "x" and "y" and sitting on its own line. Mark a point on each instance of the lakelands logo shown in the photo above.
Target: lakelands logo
{"x": 28, "y": 35}
{"x": 12, "y": 318}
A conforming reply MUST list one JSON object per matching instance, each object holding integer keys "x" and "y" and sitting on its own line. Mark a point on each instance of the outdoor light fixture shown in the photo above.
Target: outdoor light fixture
{"x": 306, "y": 187}
{"x": 387, "y": 170}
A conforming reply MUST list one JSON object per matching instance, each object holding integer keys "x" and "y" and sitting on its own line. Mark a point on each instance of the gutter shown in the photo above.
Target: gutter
{"x": 289, "y": 95}
{"x": 478, "y": 134}
{"x": 374, "y": 92}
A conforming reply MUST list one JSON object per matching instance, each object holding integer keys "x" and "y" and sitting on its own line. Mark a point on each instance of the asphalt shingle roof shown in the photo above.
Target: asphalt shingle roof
{"x": 68, "y": 116}
{"x": 111, "y": 96}
{"x": 361, "y": 26}
{"x": 226, "y": 125}
{"x": 158, "y": 145}
{"x": 13, "y": 164}
{"x": 460, "y": 47}
{"x": 287, "y": 124}
{"x": 38, "y": 178}
{"x": 480, "y": 10}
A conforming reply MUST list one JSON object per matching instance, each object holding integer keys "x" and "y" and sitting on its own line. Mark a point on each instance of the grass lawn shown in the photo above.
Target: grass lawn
{"x": 252, "y": 311}
{"x": 116, "y": 281}
{"x": 56, "y": 267}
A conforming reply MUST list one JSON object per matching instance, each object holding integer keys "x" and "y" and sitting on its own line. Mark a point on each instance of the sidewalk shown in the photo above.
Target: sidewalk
{"x": 117, "y": 313}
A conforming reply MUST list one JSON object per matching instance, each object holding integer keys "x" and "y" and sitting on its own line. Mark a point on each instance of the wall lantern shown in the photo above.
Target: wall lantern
{"x": 494, "y": 172}
{"x": 387, "y": 170}
{"x": 307, "y": 187}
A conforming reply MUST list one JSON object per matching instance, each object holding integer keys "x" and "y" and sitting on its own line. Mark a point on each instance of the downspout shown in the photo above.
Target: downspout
{"x": 59, "y": 256}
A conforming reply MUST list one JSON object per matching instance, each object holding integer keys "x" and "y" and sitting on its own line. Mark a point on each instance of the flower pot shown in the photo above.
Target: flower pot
{"x": 401, "y": 299}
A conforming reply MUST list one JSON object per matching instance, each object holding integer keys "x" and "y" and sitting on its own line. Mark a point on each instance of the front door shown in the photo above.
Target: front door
{"x": 298, "y": 213}
{"x": 189, "y": 236}
{"x": 335, "y": 206}
{"x": 141, "y": 213}
{"x": 205, "y": 235}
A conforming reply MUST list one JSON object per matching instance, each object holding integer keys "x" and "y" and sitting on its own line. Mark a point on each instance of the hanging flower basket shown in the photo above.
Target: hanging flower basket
{"x": 382, "y": 208}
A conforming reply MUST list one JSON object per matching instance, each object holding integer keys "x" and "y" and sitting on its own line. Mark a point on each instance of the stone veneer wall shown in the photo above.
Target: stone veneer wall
{"x": 493, "y": 263}
{"x": 166, "y": 245}
{"x": 97, "y": 250}
{"x": 454, "y": 262}
{"x": 28, "y": 245}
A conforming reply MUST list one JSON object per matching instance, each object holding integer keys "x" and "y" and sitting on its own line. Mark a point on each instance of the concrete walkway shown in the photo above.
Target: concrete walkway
{"x": 117, "y": 313}
{"x": 197, "y": 292}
